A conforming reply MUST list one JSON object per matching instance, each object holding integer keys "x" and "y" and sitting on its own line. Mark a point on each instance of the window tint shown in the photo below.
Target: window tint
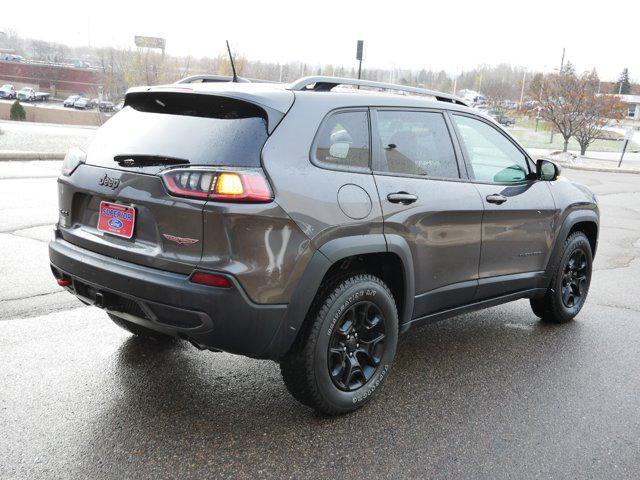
{"x": 343, "y": 140}
{"x": 417, "y": 143}
{"x": 493, "y": 157}
{"x": 203, "y": 129}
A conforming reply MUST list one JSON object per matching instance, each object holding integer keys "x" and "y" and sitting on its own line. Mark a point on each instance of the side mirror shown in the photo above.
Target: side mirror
{"x": 547, "y": 170}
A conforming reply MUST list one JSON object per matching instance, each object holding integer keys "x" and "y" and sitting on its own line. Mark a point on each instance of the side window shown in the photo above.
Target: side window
{"x": 417, "y": 143}
{"x": 343, "y": 140}
{"x": 493, "y": 157}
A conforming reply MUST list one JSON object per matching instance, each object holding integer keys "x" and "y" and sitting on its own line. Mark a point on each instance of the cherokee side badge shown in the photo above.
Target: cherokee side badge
{"x": 180, "y": 240}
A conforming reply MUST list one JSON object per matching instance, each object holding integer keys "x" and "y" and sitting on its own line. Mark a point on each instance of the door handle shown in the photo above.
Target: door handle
{"x": 402, "y": 197}
{"x": 496, "y": 198}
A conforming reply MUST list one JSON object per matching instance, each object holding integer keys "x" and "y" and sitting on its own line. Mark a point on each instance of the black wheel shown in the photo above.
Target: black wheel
{"x": 568, "y": 289}
{"x": 346, "y": 350}
{"x": 141, "y": 331}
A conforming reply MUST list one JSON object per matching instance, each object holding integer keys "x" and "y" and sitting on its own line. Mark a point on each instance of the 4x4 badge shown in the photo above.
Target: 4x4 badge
{"x": 180, "y": 240}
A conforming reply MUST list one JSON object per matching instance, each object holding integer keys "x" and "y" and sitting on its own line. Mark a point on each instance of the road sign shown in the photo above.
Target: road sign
{"x": 629, "y": 134}
{"x": 150, "y": 42}
{"x": 359, "y": 50}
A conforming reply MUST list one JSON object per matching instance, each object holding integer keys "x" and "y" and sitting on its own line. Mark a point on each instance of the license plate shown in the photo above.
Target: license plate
{"x": 116, "y": 219}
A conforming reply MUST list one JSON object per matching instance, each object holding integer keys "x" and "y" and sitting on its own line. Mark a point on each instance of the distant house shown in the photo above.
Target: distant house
{"x": 633, "y": 106}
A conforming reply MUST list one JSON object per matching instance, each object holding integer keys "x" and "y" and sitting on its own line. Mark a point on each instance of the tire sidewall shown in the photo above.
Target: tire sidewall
{"x": 578, "y": 242}
{"x": 363, "y": 290}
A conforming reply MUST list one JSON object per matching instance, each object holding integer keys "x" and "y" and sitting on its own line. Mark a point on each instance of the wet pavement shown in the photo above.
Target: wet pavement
{"x": 493, "y": 394}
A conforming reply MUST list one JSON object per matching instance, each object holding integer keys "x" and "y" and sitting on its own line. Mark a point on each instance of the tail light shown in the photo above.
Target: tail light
{"x": 249, "y": 186}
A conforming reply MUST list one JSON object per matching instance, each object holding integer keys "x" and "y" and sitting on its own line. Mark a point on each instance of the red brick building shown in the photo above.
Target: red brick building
{"x": 59, "y": 80}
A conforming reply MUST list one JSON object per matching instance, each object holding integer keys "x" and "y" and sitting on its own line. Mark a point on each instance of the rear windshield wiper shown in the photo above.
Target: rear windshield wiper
{"x": 147, "y": 161}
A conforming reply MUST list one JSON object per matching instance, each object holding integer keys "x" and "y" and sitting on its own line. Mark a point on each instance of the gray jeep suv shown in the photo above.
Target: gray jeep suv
{"x": 312, "y": 223}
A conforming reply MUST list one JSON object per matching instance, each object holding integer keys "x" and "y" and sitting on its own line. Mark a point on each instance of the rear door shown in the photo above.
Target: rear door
{"x": 156, "y": 132}
{"x": 427, "y": 200}
{"x": 519, "y": 210}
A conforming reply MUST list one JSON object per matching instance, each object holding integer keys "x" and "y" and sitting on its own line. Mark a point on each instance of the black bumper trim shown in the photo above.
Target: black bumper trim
{"x": 230, "y": 320}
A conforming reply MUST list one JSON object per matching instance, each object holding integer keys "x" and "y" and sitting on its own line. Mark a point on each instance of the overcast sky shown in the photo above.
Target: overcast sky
{"x": 453, "y": 36}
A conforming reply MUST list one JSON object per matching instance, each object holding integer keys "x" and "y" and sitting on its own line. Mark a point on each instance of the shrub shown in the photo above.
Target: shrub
{"x": 17, "y": 112}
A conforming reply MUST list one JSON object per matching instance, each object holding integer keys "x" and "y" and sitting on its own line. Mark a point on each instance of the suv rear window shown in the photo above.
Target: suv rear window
{"x": 201, "y": 129}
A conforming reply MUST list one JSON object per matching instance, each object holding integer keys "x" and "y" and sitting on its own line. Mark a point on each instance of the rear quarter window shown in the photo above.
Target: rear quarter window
{"x": 342, "y": 141}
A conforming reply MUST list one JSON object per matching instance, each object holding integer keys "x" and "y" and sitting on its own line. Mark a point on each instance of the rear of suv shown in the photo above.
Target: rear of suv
{"x": 311, "y": 225}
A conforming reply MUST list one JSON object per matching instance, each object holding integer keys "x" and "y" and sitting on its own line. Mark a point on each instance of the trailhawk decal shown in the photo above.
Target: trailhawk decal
{"x": 180, "y": 240}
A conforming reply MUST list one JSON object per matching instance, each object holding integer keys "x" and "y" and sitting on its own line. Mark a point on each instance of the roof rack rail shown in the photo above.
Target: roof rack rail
{"x": 325, "y": 84}
{"x": 220, "y": 78}
{"x": 210, "y": 78}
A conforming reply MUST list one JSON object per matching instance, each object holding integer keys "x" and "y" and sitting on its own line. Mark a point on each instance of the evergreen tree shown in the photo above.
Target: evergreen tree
{"x": 623, "y": 85}
{"x": 17, "y": 112}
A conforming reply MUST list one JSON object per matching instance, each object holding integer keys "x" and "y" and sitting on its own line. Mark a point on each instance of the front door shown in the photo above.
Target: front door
{"x": 519, "y": 212}
{"x": 427, "y": 201}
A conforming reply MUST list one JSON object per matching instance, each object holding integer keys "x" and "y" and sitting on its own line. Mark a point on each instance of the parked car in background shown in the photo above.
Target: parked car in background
{"x": 71, "y": 100}
{"x": 83, "y": 104}
{"x": 119, "y": 106}
{"x": 105, "y": 106}
{"x": 8, "y": 91}
{"x": 28, "y": 94}
{"x": 10, "y": 57}
{"x": 504, "y": 119}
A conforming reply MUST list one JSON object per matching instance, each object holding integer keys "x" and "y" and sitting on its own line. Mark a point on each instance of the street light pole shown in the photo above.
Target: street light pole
{"x": 524, "y": 76}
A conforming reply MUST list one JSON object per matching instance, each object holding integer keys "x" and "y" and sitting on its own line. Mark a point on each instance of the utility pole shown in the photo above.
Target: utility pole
{"x": 524, "y": 77}
{"x": 562, "y": 61}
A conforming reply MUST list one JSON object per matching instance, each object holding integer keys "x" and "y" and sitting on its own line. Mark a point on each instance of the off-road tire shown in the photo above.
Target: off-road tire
{"x": 551, "y": 308}
{"x": 305, "y": 369}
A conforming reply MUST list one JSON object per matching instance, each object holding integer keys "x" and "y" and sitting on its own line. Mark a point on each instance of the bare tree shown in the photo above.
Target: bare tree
{"x": 598, "y": 112}
{"x": 496, "y": 91}
{"x": 562, "y": 100}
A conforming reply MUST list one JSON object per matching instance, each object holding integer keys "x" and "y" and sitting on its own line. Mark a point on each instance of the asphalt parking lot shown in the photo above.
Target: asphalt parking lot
{"x": 493, "y": 394}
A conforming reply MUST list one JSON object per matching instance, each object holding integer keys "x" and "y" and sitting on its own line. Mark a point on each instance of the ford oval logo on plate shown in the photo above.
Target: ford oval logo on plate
{"x": 115, "y": 223}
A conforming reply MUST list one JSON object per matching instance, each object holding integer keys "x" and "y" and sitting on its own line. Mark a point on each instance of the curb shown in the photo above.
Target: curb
{"x": 55, "y": 125}
{"x": 599, "y": 169}
{"x": 18, "y": 156}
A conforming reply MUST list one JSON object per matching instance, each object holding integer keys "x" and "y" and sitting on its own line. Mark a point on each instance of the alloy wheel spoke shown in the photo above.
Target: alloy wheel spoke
{"x": 566, "y": 296}
{"x": 370, "y": 349}
{"x": 352, "y": 371}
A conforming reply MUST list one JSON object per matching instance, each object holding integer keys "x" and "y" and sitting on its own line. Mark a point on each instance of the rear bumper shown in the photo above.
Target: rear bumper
{"x": 213, "y": 318}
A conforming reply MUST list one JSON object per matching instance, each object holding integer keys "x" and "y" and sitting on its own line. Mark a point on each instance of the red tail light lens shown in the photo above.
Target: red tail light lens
{"x": 65, "y": 282}
{"x": 211, "y": 279}
{"x": 249, "y": 186}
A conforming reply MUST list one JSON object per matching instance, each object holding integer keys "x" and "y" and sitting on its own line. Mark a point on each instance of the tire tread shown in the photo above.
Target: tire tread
{"x": 297, "y": 367}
